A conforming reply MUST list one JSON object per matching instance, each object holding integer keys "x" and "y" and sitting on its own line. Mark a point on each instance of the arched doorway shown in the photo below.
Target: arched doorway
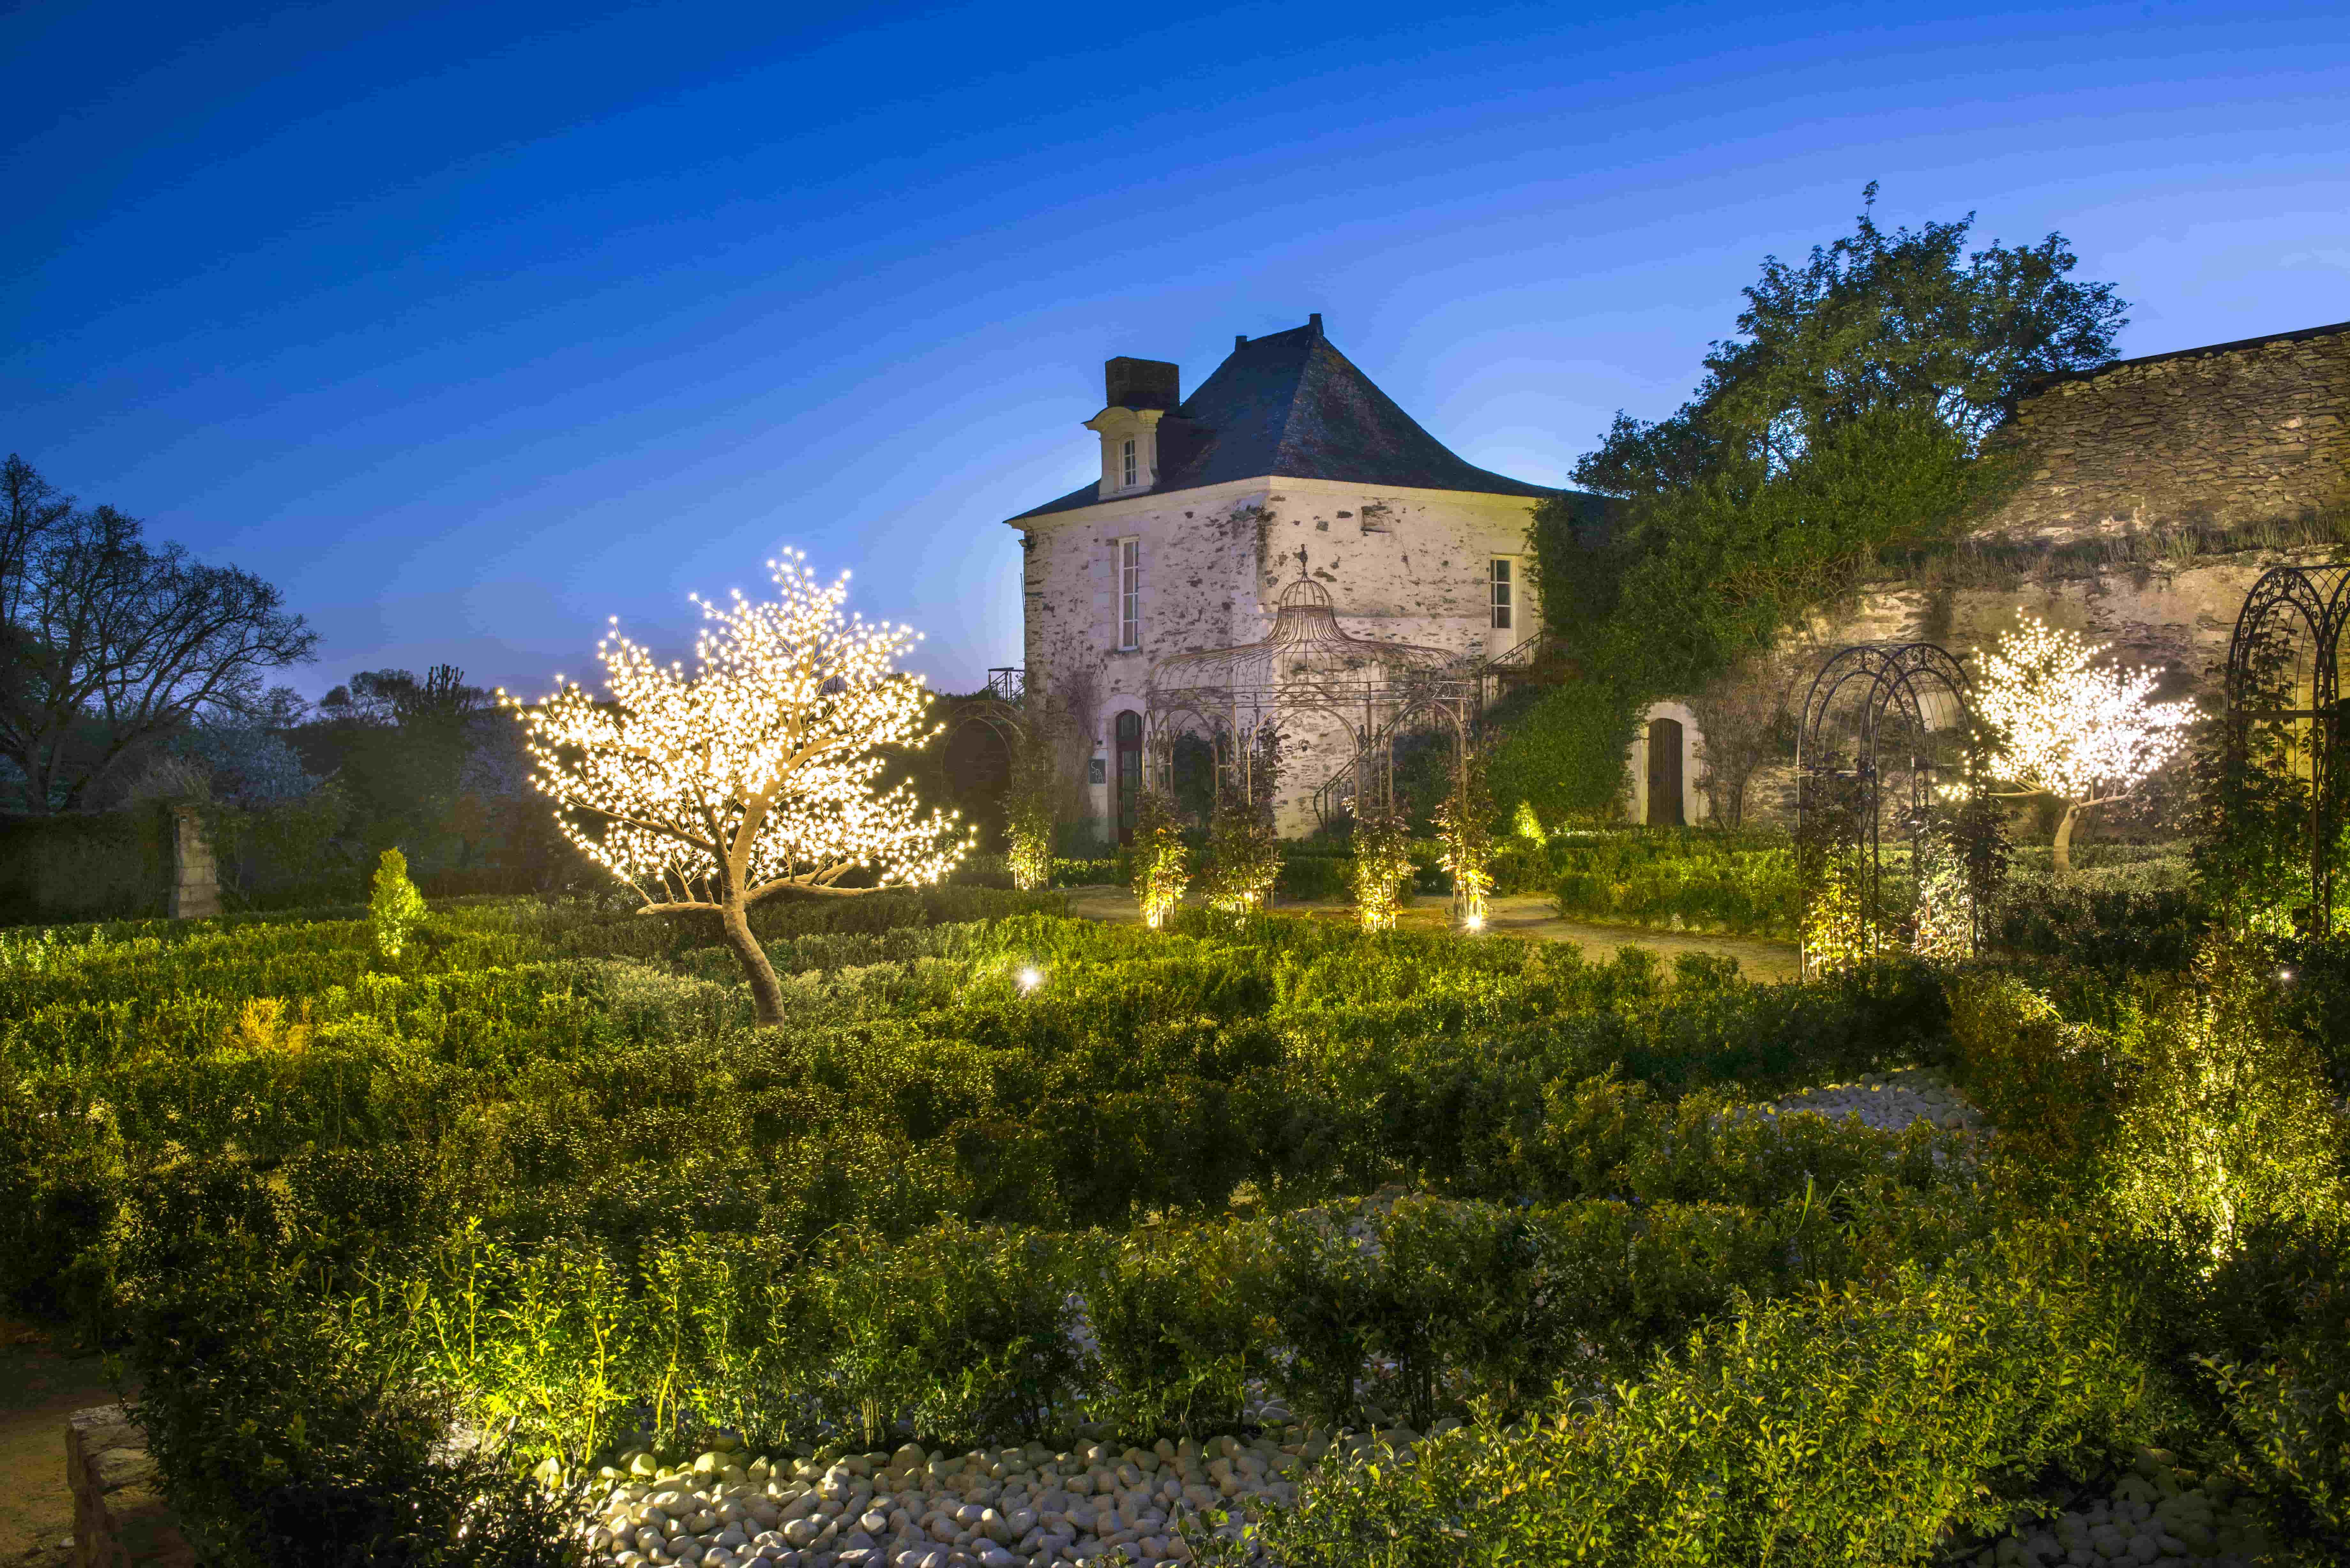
{"x": 1129, "y": 772}
{"x": 1664, "y": 792}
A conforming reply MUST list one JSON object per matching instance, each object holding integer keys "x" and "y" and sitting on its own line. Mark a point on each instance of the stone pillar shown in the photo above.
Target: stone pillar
{"x": 121, "y": 1520}
{"x": 195, "y": 875}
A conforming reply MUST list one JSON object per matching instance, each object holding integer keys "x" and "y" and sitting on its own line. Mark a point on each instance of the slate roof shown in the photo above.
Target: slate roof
{"x": 1292, "y": 407}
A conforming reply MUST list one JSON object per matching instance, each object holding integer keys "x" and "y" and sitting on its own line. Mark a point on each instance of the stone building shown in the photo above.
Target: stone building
{"x": 2161, "y": 487}
{"x": 1285, "y": 459}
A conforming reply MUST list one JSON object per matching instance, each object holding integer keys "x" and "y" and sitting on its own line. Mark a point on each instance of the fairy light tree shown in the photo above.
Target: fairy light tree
{"x": 2063, "y": 726}
{"x": 753, "y": 778}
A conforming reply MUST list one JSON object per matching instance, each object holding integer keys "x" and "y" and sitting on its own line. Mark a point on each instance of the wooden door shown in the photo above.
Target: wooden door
{"x": 1665, "y": 774}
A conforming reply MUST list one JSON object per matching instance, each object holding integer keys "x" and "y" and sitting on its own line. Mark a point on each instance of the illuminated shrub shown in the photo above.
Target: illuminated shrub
{"x": 2228, "y": 1122}
{"x": 1382, "y": 866}
{"x": 394, "y": 906}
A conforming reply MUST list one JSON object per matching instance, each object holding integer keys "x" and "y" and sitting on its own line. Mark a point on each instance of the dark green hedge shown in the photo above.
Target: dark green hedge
{"x": 102, "y": 865}
{"x": 1563, "y": 755}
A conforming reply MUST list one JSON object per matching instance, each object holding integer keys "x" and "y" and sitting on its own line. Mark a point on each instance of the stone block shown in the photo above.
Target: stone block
{"x": 120, "y": 1519}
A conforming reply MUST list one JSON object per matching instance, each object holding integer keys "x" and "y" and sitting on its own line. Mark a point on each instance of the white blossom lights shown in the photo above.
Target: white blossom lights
{"x": 2064, "y": 727}
{"x": 755, "y": 778}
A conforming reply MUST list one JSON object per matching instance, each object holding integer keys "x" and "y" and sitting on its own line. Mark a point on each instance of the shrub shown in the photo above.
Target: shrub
{"x": 1382, "y": 865}
{"x": 1842, "y": 1425}
{"x": 2226, "y": 1122}
{"x": 1162, "y": 868}
{"x": 395, "y": 908}
{"x": 1565, "y": 754}
{"x": 1742, "y": 882}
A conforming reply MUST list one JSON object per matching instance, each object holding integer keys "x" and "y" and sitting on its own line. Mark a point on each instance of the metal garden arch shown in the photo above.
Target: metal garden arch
{"x": 1866, "y": 698}
{"x": 2284, "y": 668}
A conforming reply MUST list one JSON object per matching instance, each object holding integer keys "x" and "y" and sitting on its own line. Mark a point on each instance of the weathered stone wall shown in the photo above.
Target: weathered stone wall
{"x": 2199, "y": 441}
{"x": 2234, "y": 432}
{"x": 195, "y": 872}
{"x": 121, "y": 1520}
{"x": 1402, "y": 566}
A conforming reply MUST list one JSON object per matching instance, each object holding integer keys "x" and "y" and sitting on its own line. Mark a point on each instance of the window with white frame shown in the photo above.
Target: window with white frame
{"x": 1129, "y": 590}
{"x": 1503, "y": 591}
{"x": 1130, "y": 465}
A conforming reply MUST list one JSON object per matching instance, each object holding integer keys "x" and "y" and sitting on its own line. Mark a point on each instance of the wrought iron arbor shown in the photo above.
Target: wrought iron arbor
{"x": 1874, "y": 710}
{"x": 2283, "y": 670}
{"x": 1309, "y": 670}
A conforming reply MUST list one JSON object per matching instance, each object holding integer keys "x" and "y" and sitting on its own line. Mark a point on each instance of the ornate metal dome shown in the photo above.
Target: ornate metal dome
{"x": 1307, "y": 648}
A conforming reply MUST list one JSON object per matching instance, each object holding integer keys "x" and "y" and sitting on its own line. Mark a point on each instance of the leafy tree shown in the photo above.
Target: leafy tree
{"x": 1849, "y": 416}
{"x": 108, "y": 642}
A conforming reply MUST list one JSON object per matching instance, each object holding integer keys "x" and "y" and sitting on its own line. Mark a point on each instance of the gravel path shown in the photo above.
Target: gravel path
{"x": 39, "y": 1388}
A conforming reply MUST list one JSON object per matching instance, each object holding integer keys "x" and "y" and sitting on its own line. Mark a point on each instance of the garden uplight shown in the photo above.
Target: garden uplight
{"x": 1030, "y": 979}
{"x": 1475, "y": 922}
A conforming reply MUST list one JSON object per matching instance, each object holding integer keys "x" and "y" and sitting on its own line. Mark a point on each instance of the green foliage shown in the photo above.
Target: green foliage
{"x": 1564, "y": 756}
{"x": 1844, "y": 421}
{"x": 1839, "y": 1425}
{"x": 1704, "y": 881}
{"x": 1028, "y": 812}
{"x": 1243, "y": 851}
{"x": 1464, "y": 829}
{"x": 2189, "y": 1111}
{"x": 1381, "y": 868}
{"x": 546, "y": 1170}
{"x": 85, "y": 865}
{"x": 1163, "y": 861}
{"x": 395, "y": 908}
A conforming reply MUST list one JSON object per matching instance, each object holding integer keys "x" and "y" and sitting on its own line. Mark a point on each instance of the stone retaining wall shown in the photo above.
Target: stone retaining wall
{"x": 121, "y": 1520}
{"x": 2233, "y": 433}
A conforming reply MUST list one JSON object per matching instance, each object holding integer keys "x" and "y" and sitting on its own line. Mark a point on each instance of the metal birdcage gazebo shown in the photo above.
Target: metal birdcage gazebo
{"x": 1309, "y": 672}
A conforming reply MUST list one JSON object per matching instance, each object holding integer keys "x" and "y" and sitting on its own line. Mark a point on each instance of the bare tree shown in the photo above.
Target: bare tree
{"x": 1745, "y": 722}
{"x": 110, "y": 641}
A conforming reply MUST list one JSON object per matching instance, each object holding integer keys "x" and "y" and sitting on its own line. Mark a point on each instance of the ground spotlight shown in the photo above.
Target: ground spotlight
{"x": 1030, "y": 979}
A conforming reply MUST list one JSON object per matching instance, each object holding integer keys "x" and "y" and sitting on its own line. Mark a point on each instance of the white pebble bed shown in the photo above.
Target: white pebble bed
{"x": 1887, "y": 1101}
{"x": 995, "y": 1508}
{"x": 2151, "y": 1516}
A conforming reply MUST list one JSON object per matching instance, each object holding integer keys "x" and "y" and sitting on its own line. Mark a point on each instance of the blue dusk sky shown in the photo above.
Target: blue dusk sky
{"x": 470, "y": 326}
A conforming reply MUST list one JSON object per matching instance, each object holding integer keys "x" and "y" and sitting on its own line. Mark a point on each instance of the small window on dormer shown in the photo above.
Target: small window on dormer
{"x": 1128, "y": 458}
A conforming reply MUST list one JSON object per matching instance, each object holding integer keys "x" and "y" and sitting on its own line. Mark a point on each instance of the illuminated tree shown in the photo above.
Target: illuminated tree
{"x": 755, "y": 778}
{"x": 2064, "y": 727}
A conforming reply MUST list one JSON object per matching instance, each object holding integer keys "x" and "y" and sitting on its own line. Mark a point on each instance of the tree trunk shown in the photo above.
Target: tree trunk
{"x": 766, "y": 990}
{"x": 2062, "y": 859}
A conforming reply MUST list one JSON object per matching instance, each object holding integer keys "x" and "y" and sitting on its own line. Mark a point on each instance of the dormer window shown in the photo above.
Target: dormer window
{"x": 1128, "y": 463}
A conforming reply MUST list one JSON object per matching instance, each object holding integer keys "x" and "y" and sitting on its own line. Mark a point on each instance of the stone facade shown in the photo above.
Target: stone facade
{"x": 1403, "y": 565}
{"x": 1286, "y": 457}
{"x": 2235, "y": 433}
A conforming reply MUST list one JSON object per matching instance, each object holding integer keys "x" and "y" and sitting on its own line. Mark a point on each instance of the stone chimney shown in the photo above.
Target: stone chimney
{"x": 1141, "y": 383}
